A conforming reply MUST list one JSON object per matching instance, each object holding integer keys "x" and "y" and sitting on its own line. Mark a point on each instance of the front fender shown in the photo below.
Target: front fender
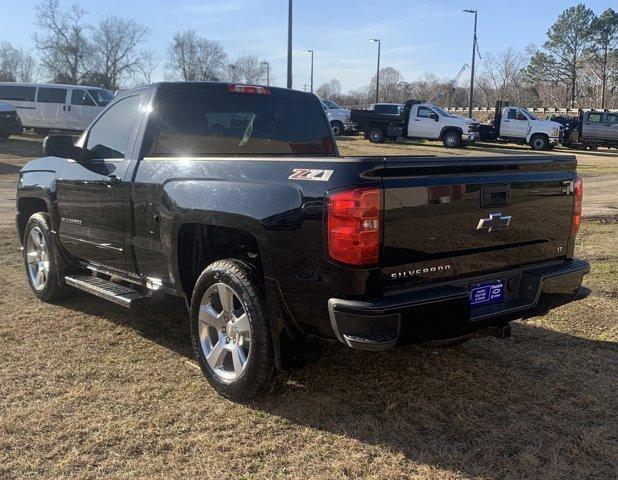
{"x": 39, "y": 185}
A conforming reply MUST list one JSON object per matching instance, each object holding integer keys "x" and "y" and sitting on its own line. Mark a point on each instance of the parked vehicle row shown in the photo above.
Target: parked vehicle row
{"x": 234, "y": 198}
{"x": 418, "y": 120}
{"x": 45, "y": 107}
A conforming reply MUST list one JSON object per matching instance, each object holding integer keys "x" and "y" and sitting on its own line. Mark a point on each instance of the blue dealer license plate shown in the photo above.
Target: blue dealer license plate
{"x": 486, "y": 293}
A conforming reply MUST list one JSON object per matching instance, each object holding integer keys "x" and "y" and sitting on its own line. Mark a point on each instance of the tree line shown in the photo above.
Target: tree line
{"x": 111, "y": 54}
{"x": 577, "y": 66}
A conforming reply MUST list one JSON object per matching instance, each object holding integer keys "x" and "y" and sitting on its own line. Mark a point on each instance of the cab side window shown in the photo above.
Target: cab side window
{"x": 612, "y": 118}
{"x": 594, "y": 117}
{"x": 81, "y": 97}
{"x": 109, "y": 136}
{"x": 425, "y": 112}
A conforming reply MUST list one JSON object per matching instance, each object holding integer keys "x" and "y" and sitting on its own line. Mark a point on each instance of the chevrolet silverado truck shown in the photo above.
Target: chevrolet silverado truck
{"x": 338, "y": 117}
{"x": 417, "y": 120}
{"x": 234, "y": 198}
{"x": 518, "y": 125}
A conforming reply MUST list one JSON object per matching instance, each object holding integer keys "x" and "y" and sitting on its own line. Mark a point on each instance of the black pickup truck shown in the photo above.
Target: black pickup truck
{"x": 234, "y": 198}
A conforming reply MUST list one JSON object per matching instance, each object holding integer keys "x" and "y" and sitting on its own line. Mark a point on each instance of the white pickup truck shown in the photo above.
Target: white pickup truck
{"x": 418, "y": 120}
{"x": 338, "y": 117}
{"x": 518, "y": 125}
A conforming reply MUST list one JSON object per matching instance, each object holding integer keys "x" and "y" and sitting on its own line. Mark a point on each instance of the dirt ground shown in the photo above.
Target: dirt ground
{"x": 88, "y": 390}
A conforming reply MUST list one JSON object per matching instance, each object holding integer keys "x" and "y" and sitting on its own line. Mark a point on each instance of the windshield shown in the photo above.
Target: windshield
{"x": 203, "y": 124}
{"x": 530, "y": 116}
{"x": 102, "y": 97}
{"x": 331, "y": 104}
{"x": 440, "y": 111}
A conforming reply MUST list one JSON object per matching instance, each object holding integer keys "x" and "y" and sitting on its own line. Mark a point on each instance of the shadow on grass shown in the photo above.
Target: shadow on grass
{"x": 541, "y": 404}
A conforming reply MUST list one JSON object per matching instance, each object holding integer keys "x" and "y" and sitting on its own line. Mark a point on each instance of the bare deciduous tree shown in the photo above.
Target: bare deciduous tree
{"x": 15, "y": 64}
{"x": 247, "y": 69}
{"x": 63, "y": 44}
{"x": 191, "y": 57}
{"x": 330, "y": 90}
{"x": 115, "y": 55}
{"x": 146, "y": 66}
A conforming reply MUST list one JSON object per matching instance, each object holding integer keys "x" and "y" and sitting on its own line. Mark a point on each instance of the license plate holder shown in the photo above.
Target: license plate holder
{"x": 486, "y": 293}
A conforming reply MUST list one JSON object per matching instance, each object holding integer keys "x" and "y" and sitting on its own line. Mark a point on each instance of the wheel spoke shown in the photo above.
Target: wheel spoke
{"x": 239, "y": 359}
{"x": 31, "y": 256}
{"x": 40, "y": 277}
{"x": 242, "y": 324}
{"x": 210, "y": 317}
{"x": 35, "y": 238}
{"x": 226, "y": 296}
{"x": 216, "y": 355}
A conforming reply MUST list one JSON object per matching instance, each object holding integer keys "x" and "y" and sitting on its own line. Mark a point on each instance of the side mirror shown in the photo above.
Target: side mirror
{"x": 435, "y": 117}
{"x": 60, "y": 146}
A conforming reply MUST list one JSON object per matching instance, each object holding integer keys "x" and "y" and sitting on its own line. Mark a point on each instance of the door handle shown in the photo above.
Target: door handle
{"x": 507, "y": 121}
{"x": 416, "y": 120}
{"x": 113, "y": 180}
{"x": 64, "y": 108}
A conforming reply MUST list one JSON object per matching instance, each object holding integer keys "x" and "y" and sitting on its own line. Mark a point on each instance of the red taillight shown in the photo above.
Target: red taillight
{"x": 250, "y": 89}
{"x": 353, "y": 226}
{"x": 578, "y": 190}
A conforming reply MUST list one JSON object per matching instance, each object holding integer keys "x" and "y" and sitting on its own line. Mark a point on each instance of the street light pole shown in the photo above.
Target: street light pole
{"x": 267, "y": 71}
{"x": 311, "y": 52}
{"x": 290, "y": 44}
{"x": 473, "y": 58}
{"x": 378, "y": 69}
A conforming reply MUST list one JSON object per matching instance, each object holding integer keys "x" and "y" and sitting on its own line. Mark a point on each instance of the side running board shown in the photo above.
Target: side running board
{"x": 114, "y": 292}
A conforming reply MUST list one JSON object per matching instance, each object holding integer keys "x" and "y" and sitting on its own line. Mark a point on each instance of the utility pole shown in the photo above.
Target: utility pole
{"x": 378, "y": 70}
{"x": 311, "y": 52}
{"x": 289, "y": 43}
{"x": 267, "y": 71}
{"x": 473, "y": 58}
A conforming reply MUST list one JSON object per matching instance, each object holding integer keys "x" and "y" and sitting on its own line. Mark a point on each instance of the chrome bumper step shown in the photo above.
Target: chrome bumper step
{"x": 114, "y": 292}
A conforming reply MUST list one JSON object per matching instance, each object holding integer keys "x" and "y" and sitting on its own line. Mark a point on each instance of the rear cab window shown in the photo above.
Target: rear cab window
{"x": 195, "y": 123}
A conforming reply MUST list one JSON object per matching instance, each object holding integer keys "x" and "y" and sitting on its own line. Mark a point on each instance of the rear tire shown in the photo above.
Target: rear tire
{"x": 376, "y": 136}
{"x": 44, "y": 268}
{"x": 539, "y": 142}
{"x": 451, "y": 139}
{"x": 230, "y": 330}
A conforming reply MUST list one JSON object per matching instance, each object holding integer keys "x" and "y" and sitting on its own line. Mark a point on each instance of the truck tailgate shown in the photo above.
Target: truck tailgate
{"x": 448, "y": 218}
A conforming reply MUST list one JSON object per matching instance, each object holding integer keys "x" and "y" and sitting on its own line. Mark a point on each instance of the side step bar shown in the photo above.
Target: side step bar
{"x": 114, "y": 292}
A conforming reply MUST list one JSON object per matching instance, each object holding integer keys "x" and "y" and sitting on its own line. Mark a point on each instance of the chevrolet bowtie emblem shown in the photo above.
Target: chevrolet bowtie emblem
{"x": 494, "y": 222}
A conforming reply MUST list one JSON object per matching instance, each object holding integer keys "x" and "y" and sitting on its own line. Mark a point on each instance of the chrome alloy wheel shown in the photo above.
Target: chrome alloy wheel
{"x": 37, "y": 255}
{"x": 225, "y": 332}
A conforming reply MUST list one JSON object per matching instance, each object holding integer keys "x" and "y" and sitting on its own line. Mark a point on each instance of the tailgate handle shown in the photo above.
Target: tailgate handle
{"x": 496, "y": 195}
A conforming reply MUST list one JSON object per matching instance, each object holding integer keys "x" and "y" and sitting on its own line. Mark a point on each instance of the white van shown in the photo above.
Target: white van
{"x": 49, "y": 106}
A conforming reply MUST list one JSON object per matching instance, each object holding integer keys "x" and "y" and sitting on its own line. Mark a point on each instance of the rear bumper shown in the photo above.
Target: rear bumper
{"x": 443, "y": 311}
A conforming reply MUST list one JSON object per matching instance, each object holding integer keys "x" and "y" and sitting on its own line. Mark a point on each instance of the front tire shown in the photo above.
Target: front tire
{"x": 230, "y": 331}
{"x": 539, "y": 142}
{"x": 45, "y": 272}
{"x": 451, "y": 139}
{"x": 376, "y": 136}
{"x": 337, "y": 128}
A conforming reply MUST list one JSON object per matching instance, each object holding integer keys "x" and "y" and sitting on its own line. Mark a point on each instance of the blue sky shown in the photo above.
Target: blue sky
{"x": 417, "y": 35}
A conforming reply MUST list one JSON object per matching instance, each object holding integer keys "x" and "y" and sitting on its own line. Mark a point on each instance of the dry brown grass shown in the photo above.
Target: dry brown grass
{"x": 88, "y": 390}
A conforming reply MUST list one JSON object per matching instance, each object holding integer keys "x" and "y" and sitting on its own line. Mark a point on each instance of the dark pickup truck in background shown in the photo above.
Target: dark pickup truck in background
{"x": 234, "y": 198}
{"x": 591, "y": 129}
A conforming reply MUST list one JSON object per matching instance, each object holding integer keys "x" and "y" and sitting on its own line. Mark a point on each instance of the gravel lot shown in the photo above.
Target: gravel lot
{"x": 88, "y": 390}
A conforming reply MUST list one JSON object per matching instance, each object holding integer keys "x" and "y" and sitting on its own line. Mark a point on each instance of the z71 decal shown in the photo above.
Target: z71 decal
{"x": 310, "y": 174}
